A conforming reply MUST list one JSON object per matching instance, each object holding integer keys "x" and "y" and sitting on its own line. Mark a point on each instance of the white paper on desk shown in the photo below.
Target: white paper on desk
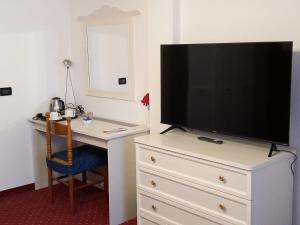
{"x": 115, "y": 130}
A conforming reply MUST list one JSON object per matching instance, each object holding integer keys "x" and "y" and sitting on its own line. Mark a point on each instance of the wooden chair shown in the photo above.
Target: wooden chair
{"x": 73, "y": 160}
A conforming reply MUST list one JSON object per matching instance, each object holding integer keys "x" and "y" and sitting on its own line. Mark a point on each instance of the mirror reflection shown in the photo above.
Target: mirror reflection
{"x": 108, "y": 57}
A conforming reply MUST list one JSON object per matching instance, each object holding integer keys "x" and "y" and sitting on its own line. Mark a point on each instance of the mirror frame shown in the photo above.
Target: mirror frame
{"x": 112, "y": 16}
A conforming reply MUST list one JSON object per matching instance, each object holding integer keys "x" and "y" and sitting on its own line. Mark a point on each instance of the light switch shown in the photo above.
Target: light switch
{"x": 5, "y": 91}
{"x": 122, "y": 80}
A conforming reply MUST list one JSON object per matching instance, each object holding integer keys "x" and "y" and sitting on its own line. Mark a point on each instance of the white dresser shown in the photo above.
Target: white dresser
{"x": 182, "y": 180}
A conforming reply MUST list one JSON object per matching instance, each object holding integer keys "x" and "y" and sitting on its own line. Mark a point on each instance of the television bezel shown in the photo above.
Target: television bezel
{"x": 228, "y": 133}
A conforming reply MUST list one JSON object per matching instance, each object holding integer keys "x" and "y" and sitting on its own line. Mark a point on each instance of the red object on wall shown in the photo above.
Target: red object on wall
{"x": 146, "y": 100}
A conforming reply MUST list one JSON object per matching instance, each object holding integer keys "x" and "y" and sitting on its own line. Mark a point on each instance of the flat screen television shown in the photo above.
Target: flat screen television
{"x": 237, "y": 89}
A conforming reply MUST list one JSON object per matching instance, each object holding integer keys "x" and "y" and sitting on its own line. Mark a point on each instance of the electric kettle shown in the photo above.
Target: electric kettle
{"x": 57, "y": 105}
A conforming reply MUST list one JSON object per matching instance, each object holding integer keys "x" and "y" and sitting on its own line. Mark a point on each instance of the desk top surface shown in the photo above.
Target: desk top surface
{"x": 101, "y": 128}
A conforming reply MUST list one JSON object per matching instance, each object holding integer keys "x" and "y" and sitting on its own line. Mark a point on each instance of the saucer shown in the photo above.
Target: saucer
{"x": 57, "y": 119}
{"x": 64, "y": 116}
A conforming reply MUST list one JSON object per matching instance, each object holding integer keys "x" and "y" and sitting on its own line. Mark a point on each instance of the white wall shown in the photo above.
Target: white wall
{"x": 34, "y": 39}
{"x": 163, "y": 27}
{"x": 35, "y": 36}
{"x": 131, "y": 111}
{"x": 226, "y": 21}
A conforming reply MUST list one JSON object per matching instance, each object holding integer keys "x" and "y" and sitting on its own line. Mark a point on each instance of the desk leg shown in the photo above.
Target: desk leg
{"x": 39, "y": 152}
{"x": 122, "y": 179}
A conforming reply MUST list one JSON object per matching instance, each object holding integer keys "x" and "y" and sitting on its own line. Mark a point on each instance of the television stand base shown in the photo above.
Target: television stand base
{"x": 172, "y": 128}
{"x": 272, "y": 149}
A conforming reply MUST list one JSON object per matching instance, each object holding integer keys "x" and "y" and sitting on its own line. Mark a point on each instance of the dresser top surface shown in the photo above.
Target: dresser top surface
{"x": 240, "y": 154}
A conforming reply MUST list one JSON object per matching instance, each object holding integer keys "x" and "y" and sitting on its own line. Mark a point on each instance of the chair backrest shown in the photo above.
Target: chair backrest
{"x": 56, "y": 128}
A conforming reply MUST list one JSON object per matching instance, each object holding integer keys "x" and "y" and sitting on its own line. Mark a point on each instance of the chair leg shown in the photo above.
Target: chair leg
{"x": 50, "y": 184}
{"x": 71, "y": 192}
{"x": 84, "y": 177}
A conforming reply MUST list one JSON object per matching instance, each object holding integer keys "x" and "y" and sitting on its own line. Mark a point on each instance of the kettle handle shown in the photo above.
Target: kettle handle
{"x": 61, "y": 102}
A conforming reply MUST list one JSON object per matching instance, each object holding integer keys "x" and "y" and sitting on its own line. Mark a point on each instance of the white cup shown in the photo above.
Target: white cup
{"x": 54, "y": 116}
{"x": 70, "y": 112}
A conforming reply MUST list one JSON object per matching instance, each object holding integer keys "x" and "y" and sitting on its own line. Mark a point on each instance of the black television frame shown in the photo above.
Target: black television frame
{"x": 273, "y": 143}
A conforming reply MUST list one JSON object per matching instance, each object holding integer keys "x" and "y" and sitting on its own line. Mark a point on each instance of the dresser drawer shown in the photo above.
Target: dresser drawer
{"x": 224, "y": 178}
{"x": 145, "y": 221}
{"x": 173, "y": 214}
{"x": 224, "y": 206}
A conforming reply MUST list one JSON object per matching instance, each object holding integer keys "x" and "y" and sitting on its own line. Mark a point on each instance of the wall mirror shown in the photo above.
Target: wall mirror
{"x": 109, "y": 45}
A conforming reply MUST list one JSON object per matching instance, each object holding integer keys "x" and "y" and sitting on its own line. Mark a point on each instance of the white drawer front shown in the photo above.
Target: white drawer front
{"x": 171, "y": 213}
{"x": 144, "y": 221}
{"x": 209, "y": 174}
{"x": 194, "y": 196}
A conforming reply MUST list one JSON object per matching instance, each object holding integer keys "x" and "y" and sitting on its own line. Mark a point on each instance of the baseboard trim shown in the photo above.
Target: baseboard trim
{"x": 27, "y": 187}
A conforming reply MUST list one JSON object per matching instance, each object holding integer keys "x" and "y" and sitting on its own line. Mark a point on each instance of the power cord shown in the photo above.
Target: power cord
{"x": 295, "y": 159}
{"x": 67, "y": 63}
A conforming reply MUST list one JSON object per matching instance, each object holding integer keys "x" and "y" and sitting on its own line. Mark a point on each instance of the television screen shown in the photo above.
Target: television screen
{"x": 239, "y": 89}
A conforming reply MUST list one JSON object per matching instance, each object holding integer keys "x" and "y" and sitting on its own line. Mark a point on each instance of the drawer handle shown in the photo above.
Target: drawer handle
{"x": 153, "y": 183}
{"x": 222, "y": 207}
{"x": 222, "y": 179}
{"x": 153, "y": 207}
{"x": 152, "y": 159}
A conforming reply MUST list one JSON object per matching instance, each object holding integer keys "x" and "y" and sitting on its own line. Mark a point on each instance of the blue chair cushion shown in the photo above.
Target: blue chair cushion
{"x": 86, "y": 157}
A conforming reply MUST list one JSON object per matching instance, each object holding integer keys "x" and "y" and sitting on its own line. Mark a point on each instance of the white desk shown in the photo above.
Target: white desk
{"x": 121, "y": 160}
